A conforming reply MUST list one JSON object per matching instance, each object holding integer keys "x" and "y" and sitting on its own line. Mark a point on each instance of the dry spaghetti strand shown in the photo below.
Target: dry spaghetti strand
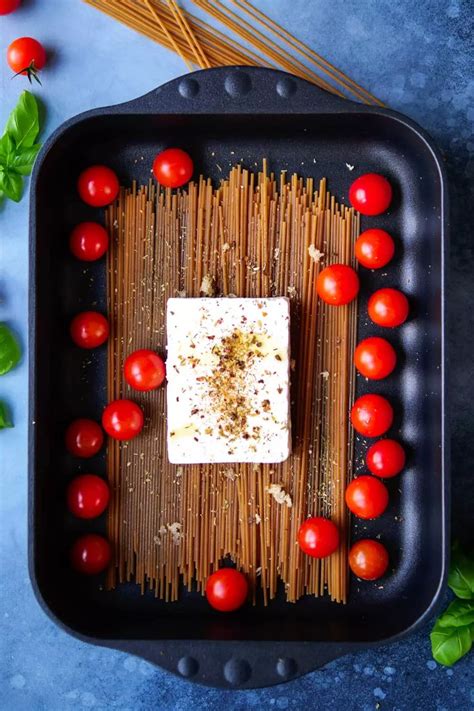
{"x": 255, "y": 235}
{"x": 197, "y": 42}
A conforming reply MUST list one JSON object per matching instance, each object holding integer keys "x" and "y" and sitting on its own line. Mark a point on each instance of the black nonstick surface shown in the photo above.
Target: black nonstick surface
{"x": 222, "y": 116}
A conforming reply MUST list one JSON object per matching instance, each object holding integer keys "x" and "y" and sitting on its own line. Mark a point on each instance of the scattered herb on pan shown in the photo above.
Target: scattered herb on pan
{"x": 10, "y": 352}
{"x": 5, "y": 420}
{"x": 18, "y": 149}
{"x": 453, "y": 633}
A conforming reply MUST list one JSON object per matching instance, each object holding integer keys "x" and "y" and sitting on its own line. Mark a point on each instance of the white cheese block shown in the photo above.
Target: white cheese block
{"x": 228, "y": 389}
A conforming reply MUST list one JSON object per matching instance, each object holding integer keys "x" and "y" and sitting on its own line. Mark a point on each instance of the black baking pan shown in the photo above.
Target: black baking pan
{"x": 222, "y": 116}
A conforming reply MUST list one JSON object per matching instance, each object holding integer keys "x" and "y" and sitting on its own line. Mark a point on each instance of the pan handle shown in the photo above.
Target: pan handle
{"x": 237, "y": 664}
{"x": 238, "y": 90}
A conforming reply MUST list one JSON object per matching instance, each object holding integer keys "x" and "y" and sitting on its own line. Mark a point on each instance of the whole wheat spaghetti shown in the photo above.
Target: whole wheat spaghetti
{"x": 253, "y": 235}
{"x": 202, "y": 45}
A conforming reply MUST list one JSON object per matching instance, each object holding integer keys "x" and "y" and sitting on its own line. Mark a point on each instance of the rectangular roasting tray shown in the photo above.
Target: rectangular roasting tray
{"x": 218, "y": 116}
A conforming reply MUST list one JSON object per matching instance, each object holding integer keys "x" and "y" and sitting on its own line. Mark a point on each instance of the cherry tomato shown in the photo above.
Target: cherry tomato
{"x": 226, "y": 589}
{"x": 98, "y": 185}
{"x": 386, "y": 458}
{"x": 89, "y": 241}
{"x": 26, "y": 55}
{"x": 367, "y": 497}
{"x": 144, "y": 370}
{"x": 8, "y": 6}
{"x": 368, "y": 559}
{"x": 337, "y": 284}
{"x": 87, "y": 496}
{"x": 374, "y": 248}
{"x": 388, "y": 307}
{"x": 123, "y": 419}
{"x": 371, "y": 194}
{"x": 84, "y": 438}
{"x": 89, "y": 329}
{"x": 318, "y": 537}
{"x": 91, "y": 554}
{"x": 371, "y": 415}
{"x": 173, "y": 167}
{"x": 375, "y": 358}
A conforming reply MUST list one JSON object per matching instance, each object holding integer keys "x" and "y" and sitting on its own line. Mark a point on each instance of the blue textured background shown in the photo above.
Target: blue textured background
{"x": 418, "y": 58}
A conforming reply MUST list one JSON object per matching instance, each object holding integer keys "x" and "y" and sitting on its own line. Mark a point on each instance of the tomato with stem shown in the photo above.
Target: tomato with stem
{"x": 26, "y": 56}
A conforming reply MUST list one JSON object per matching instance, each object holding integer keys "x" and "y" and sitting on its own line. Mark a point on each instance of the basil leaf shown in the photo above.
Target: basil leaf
{"x": 7, "y": 149}
{"x": 460, "y": 613}
{"x": 449, "y": 644}
{"x": 11, "y": 184}
{"x": 18, "y": 149}
{"x": 10, "y": 352}
{"x": 23, "y": 122}
{"x": 5, "y": 420}
{"x": 22, "y": 161}
{"x": 461, "y": 574}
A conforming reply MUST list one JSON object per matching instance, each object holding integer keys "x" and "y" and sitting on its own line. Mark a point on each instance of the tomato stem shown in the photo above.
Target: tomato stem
{"x": 31, "y": 72}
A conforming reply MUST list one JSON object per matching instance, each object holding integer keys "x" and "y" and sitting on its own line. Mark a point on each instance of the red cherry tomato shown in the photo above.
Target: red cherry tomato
{"x": 371, "y": 415}
{"x": 123, "y": 419}
{"x": 226, "y": 589}
{"x": 89, "y": 241}
{"x": 84, "y": 438}
{"x": 98, "y": 185}
{"x": 26, "y": 56}
{"x": 374, "y": 248}
{"x": 173, "y": 167}
{"x": 337, "y": 284}
{"x": 371, "y": 194}
{"x": 318, "y": 537}
{"x": 89, "y": 329}
{"x": 87, "y": 496}
{"x": 144, "y": 370}
{"x": 8, "y": 6}
{"x": 368, "y": 559}
{"x": 367, "y": 497}
{"x": 386, "y": 458}
{"x": 91, "y": 554}
{"x": 375, "y": 358}
{"x": 388, "y": 307}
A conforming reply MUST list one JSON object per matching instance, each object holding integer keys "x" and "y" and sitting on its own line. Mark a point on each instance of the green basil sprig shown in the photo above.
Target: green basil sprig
{"x": 461, "y": 574}
{"x": 18, "y": 149}
{"x": 10, "y": 352}
{"x": 453, "y": 633}
{"x": 5, "y": 420}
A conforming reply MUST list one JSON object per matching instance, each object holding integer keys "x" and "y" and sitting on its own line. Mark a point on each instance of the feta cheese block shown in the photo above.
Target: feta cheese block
{"x": 228, "y": 391}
